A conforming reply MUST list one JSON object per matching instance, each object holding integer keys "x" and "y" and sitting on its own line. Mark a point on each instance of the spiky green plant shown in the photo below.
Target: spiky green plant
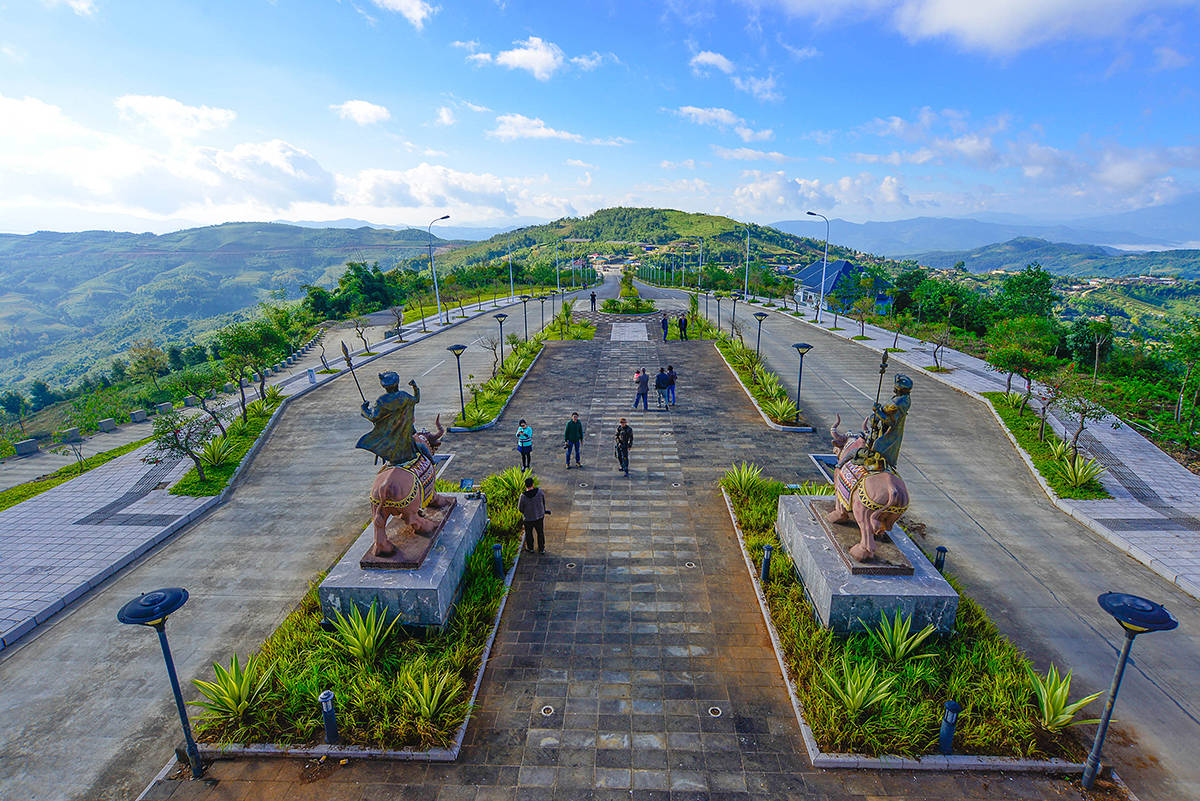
{"x": 217, "y": 451}
{"x": 857, "y": 687}
{"x": 503, "y": 488}
{"x": 896, "y": 639}
{"x": 1058, "y": 449}
{"x": 1012, "y": 400}
{"x": 238, "y": 428}
{"x": 273, "y": 396}
{"x": 743, "y": 479}
{"x": 257, "y": 409}
{"x": 1079, "y": 471}
{"x": 363, "y": 637}
{"x": 781, "y": 410}
{"x": 235, "y": 690}
{"x": 1052, "y": 694}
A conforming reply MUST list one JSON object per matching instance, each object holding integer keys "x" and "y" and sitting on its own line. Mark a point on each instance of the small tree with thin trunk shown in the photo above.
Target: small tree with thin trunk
{"x": 183, "y": 435}
{"x": 1078, "y": 398}
{"x": 147, "y": 361}
{"x": 398, "y": 314}
{"x": 200, "y": 383}
{"x": 360, "y": 331}
{"x": 495, "y": 347}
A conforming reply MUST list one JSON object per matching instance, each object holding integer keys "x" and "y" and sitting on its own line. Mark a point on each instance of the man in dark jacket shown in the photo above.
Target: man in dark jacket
{"x": 593, "y": 301}
{"x": 662, "y": 383}
{"x": 642, "y": 379}
{"x": 683, "y": 327}
{"x": 672, "y": 376}
{"x": 532, "y": 505}
{"x": 623, "y": 443}
{"x": 573, "y": 438}
{"x": 666, "y": 325}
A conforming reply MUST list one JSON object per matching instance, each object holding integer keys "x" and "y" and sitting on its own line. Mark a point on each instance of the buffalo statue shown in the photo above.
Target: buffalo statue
{"x": 870, "y": 493}
{"x": 405, "y": 490}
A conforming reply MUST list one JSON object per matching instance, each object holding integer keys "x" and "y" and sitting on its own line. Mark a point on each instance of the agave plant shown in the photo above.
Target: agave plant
{"x": 1012, "y": 400}
{"x": 257, "y": 409}
{"x": 743, "y": 479}
{"x": 237, "y": 428}
{"x": 217, "y": 451}
{"x": 781, "y": 410}
{"x": 273, "y": 396}
{"x": 813, "y": 488}
{"x": 770, "y": 384}
{"x": 1079, "y": 471}
{"x": 432, "y": 701}
{"x": 895, "y": 640}
{"x": 363, "y": 637}
{"x": 857, "y": 688}
{"x": 235, "y": 690}
{"x": 1058, "y": 449}
{"x": 503, "y": 488}
{"x": 1052, "y": 694}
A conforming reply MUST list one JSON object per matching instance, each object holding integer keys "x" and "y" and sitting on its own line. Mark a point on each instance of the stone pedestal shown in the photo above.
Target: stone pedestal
{"x": 191, "y": 400}
{"x": 137, "y": 416}
{"x": 843, "y": 600}
{"x": 69, "y": 435}
{"x": 107, "y": 424}
{"x": 163, "y": 408}
{"x": 422, "y": 598}
{"x": 26, "y": 447}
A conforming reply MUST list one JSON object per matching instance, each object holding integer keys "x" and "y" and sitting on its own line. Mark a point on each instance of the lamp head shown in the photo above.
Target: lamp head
{"x": 152, "y": 608}
{"x": 760, "y": 316}
{"x": 443, "y": 217}
{"x": 802, "y": 347}
{"x": 526, "y": 298}
{"x": 501, "y": 316}
{"x": 457, "y": 350}
{"x": 1135, "y": 614}
{"x": 811, "y": 213}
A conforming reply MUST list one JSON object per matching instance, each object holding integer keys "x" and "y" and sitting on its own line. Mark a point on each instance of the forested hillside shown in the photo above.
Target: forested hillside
{"x": 1066, "y": 259}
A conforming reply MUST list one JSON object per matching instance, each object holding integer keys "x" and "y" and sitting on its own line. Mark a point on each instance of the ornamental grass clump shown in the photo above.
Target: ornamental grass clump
{"x": 218, "y": 451}
{"x": 234, "y": 692}
{"x": 896, "y": 640}
{"x": 1079, "y": 471}
{"x": 858, "y": 687}
{"x": 1052, "y": 693}
{"x": 363, "y": 637}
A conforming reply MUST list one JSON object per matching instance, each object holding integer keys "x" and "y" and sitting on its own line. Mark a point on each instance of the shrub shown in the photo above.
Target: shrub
{"x": 858, "y": 687}
{"x": 1051, "y": 696}
{"x": 743, "y": 479}
{"x": 234, "y": 692}
{"x": 1079, "y": 472}
{"x": 218, "y": 451}
{"x": 781, "y": 410}
{"x": 894, "y": 640}
{"x": 361, "y": 637}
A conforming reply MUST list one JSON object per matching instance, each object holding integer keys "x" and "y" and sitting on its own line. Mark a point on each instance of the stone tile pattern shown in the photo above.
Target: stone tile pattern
{"x": 612, "y": 649}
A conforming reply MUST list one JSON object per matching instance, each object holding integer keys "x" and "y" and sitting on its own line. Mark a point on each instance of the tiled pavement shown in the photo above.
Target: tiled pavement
{"x": 632, "y": 661}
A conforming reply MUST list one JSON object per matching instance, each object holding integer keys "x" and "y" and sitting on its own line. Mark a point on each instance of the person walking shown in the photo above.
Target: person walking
{"x": 666, "y": 325}
{"x": 532, "y": 506}
{"x": 672, "y": 376}
{"x": 662, "y": 383}
{"x": 573, "y": 438}
{"x": 593, "y": 301}
{"x": 623, "y": 442}
{"x": 525, "y": 445}
{"x": 642, "y": 379}
{"x": 683, "y": 327}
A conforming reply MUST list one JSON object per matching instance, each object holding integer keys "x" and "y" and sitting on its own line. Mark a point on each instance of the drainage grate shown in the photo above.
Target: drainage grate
{"x": 547, "y": 711}
{"x": 714, "y": 711}
{"x": 689, "y": 564}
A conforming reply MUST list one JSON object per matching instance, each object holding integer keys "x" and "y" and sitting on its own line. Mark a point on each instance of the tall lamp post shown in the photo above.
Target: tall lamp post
{"x": 705, "y": 302}
{"x": 511, "y": 292}
{"x": 151, "y": 609}
{"x": 524, "y": 316}
{"x": 733, "y": 314}
{"x": 500, "y": 318}
{"x": 432, "y": 269}
{"x": 746, "y": 290}
{"x": 824, "y": 264}
{"x": 457, "y": 350}
{"x": 760, "y": 316}
{"x": 1136, "y": 616}
{"x": 718, "y": 312}
{"x": 801, "y": 348}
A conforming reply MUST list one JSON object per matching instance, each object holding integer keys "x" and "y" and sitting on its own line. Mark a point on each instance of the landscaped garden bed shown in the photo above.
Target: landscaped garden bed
{"x": 396, "y": 694}
{"x": 881, "y": 694}
{"x": 224, "y": 453}
{"x": 760, "y": 383}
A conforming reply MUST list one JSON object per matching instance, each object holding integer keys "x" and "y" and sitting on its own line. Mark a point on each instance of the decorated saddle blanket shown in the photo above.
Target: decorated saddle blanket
{"x": 424, "y": 474}
{"x": 845, "y": 480}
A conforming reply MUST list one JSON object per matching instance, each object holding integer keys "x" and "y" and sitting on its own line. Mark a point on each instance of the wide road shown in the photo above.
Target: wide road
{"x": 85, "y": 702}
{"x": 1035, "y": 570}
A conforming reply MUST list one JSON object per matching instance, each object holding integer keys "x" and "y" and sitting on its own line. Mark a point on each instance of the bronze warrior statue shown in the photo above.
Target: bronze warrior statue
{"x": 392, "y": 438}
{"x": 887, "y": 421}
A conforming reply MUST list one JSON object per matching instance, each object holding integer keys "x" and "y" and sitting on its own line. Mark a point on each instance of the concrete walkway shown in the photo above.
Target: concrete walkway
{"x": 632, "y": 662}
{"x": 87, "y": 707}
{"x": 1036, "y": 570}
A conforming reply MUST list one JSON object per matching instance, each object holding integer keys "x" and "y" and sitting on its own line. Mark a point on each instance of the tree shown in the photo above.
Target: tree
{"x": 15, "y": 404}
{"x": 903, "y": 288}
{"x": 253, "y": 344}
{"x": 146, "y": 361}
{"x": 40, "y": 395}
{"x": 175, "y": 361}
{"x": 398, "y": 315}
{"x": 182, "y": 434}
{"x": 494, "y": 346}
{"x": 360, "y": 331}
{"x": 200, "y": 383}
{"x": 118, "y": 370}
{"x": 194, "y": 354}
{"x": 1090, "y": 340}
{"x": 1028, "y": 293}
{"x": 1078, "y": 398}
{"x": 1021, "y": 346}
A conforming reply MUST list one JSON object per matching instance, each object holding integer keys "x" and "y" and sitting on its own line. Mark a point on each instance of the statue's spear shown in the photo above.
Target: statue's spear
{"x": 878, "y": 391}
{"x": 350, "y": 364}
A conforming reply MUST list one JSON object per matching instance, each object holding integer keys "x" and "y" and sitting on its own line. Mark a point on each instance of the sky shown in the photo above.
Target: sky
{"x": 162, "y": 115}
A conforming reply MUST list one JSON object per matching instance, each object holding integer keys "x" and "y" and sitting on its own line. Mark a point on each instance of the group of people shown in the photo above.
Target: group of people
{"x": 664, "y": 385}
{"x": 681, "y": 321}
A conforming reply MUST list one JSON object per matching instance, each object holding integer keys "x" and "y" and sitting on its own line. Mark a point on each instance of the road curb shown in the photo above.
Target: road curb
{"x": 496, "y": 420}
{"x": 770, "y": 423}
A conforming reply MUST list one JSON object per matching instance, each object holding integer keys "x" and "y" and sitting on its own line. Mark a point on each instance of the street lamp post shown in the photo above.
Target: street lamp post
{"x": 432, "y": 269}
{"x": 801, "y": 348}
{"x": 705, "y": 302}
{"x": 542, "y": 300}
{"x": 1136, "y": 616}
{"x": 733, "y": 314}
{"x": 511, "y": 291}
{"x": 151, "y": 609}
{"x": 718, "y": 312}
{"x": 457, "y": 350}
{"x": 746, "y": 290}
{"x": 824, "y": 264}
{"x": 500, "y": 318}
{"x": 524, "y": 316}
{"x": 760, "y": 316}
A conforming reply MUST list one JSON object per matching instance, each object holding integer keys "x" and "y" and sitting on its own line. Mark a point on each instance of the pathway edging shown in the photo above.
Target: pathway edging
{"x": 770, "y": 423}
{"x": 496, "y": 420}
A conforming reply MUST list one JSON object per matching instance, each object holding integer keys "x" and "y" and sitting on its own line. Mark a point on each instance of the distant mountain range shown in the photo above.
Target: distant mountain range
{"x": 1172, "y": 225}
{"x": 1063, "y": 258}
{"x": 472, "y": 234}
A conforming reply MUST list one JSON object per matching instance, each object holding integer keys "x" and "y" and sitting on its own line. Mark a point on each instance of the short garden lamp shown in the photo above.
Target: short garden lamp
{"x": 543, "y": 299}
{"x": 457, "y": 350}
{"x": 500, "y": 318}
{"x": 760, "y": 316}
{"x": 733, "y": 315}
{"x": 801, "y": 348}
{"x": 151, "y": 609}
{"x": 1137, "y": 616}
{"x": 524, "y": 301}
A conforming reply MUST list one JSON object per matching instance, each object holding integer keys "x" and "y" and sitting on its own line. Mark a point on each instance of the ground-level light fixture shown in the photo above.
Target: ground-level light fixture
{"x": 1136, "y": 616}
{"x": 457, "y": 350}
{"x": 151, "y": 609}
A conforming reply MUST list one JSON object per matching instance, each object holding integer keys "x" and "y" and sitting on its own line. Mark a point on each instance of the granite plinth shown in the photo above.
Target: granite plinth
{"x": 26, "y": 447}
{"x": 191, "y": 400}
{"x": 107, "y": 424}
{"x": 843, "y": 601}
{"x": 888, "y": 559}
{"x": 411, "y": 547}
{"x": 163, "y": 408}
{"x": 69, "y": 435}
{"x": 137, "y": 416}
{"x": 422, "y": 598}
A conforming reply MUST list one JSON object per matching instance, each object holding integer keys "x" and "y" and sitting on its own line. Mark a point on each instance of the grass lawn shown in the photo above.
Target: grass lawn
{"x": 22, "y": 492}
{"x": 1024, "y": 429}
{"x": 771, "y": 396}
{"x": 975, "y": 666}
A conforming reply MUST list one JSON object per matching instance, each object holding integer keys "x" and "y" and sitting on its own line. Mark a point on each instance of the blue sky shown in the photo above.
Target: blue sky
{"x": 155, "y": 116}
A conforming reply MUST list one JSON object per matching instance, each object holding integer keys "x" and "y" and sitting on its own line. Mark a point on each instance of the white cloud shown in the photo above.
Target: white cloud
{"x": 415, "y": 11}
{"x": 799, "y": 53}
{"x": 751, "y": 135}
{"x": 760, "y": 88}
{"x": 765, "y": 192}
{"x": 445, "y": 116}
{"x": 430, "y": 153}
{"x": 518, "y": 126}
{"x": 719, "y": 117}
{"x": 84, "y": 8}
{"x": 583, "y": 165}
{"x": 475, "y": 106}
{"x": 1167, "y": 58}
{"x": 362, "y": 112}
{"x": 428, "y": 186}
{"x": 589, "y": 62}
{"x": 686, "y": 164}
{"x": 748, "y": 154}
{"x": 471, "y": 45}
{"x": 706, "y": 59}
{"x": 171, "y": 117}
{"x": 539, "y": 58}
{"x": 991, "y": 26}
{"x": 12, "y": 53}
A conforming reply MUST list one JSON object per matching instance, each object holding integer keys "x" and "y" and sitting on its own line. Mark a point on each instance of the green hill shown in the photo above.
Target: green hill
{"x": 70, "y": 300}
{"x": 1067, "y": 259}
